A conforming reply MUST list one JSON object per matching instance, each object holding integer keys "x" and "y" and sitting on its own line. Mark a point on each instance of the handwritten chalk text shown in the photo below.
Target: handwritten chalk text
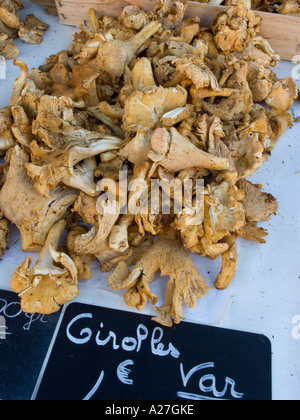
{"x": 128, "y": 344}
{"x": 10, "y": 310}
{"x": 80, "y": 332}
{"x": 207, "y": 384}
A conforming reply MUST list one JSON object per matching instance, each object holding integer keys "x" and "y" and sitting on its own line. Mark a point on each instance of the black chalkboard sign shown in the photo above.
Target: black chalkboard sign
{"x": 24, "y": 341}
{"x": 105, "y": 354}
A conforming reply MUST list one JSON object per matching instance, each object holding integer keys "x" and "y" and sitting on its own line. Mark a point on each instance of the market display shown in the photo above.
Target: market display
{"x": 167, "y": 102}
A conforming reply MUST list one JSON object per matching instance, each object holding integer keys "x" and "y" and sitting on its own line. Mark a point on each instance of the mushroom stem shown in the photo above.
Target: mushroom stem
{"x": 142, "y": 74}
{"x": 9, "y": 19}
{"x": 229, "y": 264}
{"x": 45, "y": 258}
{"x": 114, "y": 55}
{"x": 79, "y": 153}
{"x": 140, "y": 38}
{"x": 19, "y": 82}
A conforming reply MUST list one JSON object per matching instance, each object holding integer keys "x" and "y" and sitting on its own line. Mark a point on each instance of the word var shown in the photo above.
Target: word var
{"x": 127, "y": 343}
{"x": 207, "y": 384}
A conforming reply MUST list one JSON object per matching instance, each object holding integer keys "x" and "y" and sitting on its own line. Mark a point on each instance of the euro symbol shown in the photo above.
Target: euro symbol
{"x": 123, "y": 372}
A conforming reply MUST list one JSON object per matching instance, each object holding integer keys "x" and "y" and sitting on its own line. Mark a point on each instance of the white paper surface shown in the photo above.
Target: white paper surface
{"x": 265, "y": 294}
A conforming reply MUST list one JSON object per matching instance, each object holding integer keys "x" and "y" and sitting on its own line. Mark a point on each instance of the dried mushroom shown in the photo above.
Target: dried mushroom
{"x": 168, "y": 256}
{"x": 283, "y": 94}
{"x": 234, "y": 28}
{"x": 179, "y": 153}
{"x": 4, "y": 233}
{"x": 7, "y": 49}
{"x": 11, "y": 27}
{"x": 9, "y": 13}
{"x": 288, "y": 7}
{"x": 51, "y": 282}
{"x": 139, "y": 139}
{"x": 24, "y": 206}
{"x": 6, "y": 136}
{"x": 114, "y": 55}
{"x": 258, "y": 206}
{"x": 143, "y": 109}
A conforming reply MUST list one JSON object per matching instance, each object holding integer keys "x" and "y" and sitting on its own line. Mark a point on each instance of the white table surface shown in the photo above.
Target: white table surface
{"x": 264, "y": 297}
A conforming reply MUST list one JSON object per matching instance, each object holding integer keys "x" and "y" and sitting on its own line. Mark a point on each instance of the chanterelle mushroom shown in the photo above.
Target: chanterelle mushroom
{"x": 283, "y": 94}
{"x": 258, "y": 206}
{"x": 229, "y": 264}
{"x": 143, "y": 109}
{"x": 6, "y": 138}
{"x": 82, "y": 262}
{"x": 170, "y": 12}
{"x": 98, "y": 242}
{"x": 168, "y": 256}
{"x": 234, "y": 28}
{"x": 11, "y": 26}
{"x": 51, "y": 282}
{"x": 63, "y": 168}
{"x": 32, "y": 213}
{"x": 114, "y": 55}
{"x": 7, "y": 49}
{"x": 9, "y": 15}
{"x": 4, "y": 232}
{"x": 142, "y": 74}
{"x": 194, "y": 69}
{"x": 180, "y": 153}
{"x": 219, "y": 224}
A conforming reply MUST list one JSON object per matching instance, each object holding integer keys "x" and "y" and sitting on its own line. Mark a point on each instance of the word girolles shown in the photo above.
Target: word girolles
{"x": 129, "y": 344}
{"x": 138, "y": 196}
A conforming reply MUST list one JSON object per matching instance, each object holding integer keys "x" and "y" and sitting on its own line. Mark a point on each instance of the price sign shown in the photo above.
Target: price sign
{"x": 106, "y": 354}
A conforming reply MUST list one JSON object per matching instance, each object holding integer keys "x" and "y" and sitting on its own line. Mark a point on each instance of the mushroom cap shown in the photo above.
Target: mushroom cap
{"x": 32, "y": 213}
{"x": 45, "y": 287}
{"x": 283, "y": 94}
{"x": 259, "y": 206}
{"x": 183, "y": 154}
{"x": 168, "y": 256}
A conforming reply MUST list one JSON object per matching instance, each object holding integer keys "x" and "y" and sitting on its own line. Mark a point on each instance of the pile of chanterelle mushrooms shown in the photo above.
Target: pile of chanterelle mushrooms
{"x": 159, "y": 98}
{"x": 29, "y": 31}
